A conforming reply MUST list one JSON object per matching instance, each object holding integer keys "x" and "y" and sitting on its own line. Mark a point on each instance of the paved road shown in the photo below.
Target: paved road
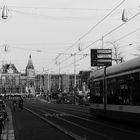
{"x": 74, "y": 119}
{"x": 29, "y": 127}
{"x": 78, "y": 120}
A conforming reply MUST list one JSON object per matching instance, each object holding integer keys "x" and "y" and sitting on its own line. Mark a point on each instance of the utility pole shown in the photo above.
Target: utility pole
{"x": 48, "y": 82}
{"x": 59, "y": 79}
{"x": 74, "y": 69}
{"x": 73, "y": 54}
{"x": 40, "y": 84}
{"x": 102, "y": 42}
{"x": 74, "y": 86}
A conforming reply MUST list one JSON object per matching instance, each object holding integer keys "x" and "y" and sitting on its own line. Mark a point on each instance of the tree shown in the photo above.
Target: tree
{"x": 116, "y": 52}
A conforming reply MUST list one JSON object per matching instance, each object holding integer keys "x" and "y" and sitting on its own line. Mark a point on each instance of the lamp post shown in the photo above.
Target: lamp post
{"x": 74, "y": 69}
{"x": 72, "y": 54}
{"x": 49, "y": 83}
{"x": 59, "y": 79}
{"x": 40, "y": 85}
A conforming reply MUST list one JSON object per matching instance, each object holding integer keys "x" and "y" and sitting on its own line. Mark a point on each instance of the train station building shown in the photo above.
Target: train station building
{"x": 14, "y": 82}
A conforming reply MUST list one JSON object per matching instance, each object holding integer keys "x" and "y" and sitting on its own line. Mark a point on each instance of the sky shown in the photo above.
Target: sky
{"x": 46, "y": 28}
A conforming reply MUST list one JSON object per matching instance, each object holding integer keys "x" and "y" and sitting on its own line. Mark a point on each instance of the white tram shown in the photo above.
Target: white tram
{"x": 121, "y": 98}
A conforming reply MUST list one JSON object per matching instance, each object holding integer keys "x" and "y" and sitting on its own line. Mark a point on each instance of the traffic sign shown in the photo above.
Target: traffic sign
{"x": 101, "y": 57}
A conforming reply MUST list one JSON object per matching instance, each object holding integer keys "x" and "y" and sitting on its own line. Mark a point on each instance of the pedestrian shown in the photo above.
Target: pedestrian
{"x": 20, "y": 104}
{"x": 14, "y": 105}
{"x": 5, "y": 115}
{"x": 1, "y": 125}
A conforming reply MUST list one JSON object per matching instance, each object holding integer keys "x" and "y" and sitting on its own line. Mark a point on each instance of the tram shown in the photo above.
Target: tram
{"x": 115, "y": 93}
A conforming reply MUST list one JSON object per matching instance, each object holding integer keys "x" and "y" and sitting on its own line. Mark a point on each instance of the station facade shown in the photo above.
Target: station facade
{"x": 14, "y": 82}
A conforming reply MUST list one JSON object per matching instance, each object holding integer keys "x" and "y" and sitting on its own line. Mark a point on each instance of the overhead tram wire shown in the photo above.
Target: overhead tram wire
{"x": 57, "y": 17}
{"x": 90, "y": 30}
{"x": 86, "y": 32}
{"x": 108, "y": 34}
{"x": 48, "y": 8}
{"x": 62, "y": 8}
{"x": 102, "y": 20}
{"x": 111, "y": 31}
{"x": 105, "y": 35}
{"x": 127, "y": 35}
{"x": 72, "y": 63}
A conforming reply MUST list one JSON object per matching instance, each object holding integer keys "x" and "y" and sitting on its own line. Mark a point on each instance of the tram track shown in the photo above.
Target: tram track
{"x": 88, "y": 126}
{"x": 78, "y": 109}
{"x": 70, "y": 134}
{"x": 93, "y": 121}
{"x": 63, "y": 124}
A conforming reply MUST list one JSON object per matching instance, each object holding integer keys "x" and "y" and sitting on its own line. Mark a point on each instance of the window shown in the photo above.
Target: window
{"x": 97, "y": 92}
{"x": 124, "y": 90}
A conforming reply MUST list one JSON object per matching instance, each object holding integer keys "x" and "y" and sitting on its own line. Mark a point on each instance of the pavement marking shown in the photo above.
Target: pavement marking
{"x": 56, "y": 114}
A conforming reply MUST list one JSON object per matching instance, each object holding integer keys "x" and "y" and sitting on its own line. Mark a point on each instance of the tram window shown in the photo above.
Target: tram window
{"x": 124, "y": 89}
{"x": 135, "y": 88}
{"x": 113, "y": 96}
{"x": 97, "y": 92}
{"x": 117, "y": 90}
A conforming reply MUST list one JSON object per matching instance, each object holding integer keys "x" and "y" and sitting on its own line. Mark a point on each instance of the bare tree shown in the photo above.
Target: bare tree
{"x": 116, "y": 52}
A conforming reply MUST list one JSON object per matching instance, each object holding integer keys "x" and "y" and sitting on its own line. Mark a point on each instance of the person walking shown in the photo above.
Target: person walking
{"x": 1, "y": 125}
{"x": 20, "y": 104}
{"x": 14, "y": 105}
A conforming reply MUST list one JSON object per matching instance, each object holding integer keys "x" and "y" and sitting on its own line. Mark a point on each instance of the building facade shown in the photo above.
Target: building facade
{"x": 9, "y": 79}
{"x": 14, "y": 82}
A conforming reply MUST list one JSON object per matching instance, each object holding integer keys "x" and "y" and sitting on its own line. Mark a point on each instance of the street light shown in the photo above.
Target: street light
{"x": 124, "y": 16}
{"x": 4, "y": 12}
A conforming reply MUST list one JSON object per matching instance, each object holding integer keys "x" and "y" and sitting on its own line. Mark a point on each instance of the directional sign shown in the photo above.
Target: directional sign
{"x": 101, "y": 57}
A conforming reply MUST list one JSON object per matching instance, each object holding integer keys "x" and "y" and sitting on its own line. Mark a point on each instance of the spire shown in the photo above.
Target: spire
{"x": 10, "y": 65}
{"x": 30, "y": 64}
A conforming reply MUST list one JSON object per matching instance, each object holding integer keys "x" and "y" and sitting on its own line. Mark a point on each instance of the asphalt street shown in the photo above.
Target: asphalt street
{"x": 29, "y": 127}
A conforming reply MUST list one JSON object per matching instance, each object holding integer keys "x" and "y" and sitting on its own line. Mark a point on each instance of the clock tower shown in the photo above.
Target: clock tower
{"x": 30, "y": 73}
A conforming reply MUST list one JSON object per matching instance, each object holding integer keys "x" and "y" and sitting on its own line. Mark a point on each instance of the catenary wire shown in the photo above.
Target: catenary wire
{"x": 105, "y": 35}
{"x": 90, "y": 29}
{"x": 58, "y": 17}
{"x": 127, "y": 35}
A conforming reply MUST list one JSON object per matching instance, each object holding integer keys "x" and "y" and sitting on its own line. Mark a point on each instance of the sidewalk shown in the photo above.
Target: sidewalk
{"x": 8, "y": 132}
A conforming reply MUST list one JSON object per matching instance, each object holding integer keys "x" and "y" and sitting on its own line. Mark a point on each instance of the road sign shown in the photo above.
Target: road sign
{"x": 101, "y": 57}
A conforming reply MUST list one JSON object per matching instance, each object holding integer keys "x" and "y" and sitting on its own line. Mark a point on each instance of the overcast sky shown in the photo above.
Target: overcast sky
{"x": 45, "y": 28}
